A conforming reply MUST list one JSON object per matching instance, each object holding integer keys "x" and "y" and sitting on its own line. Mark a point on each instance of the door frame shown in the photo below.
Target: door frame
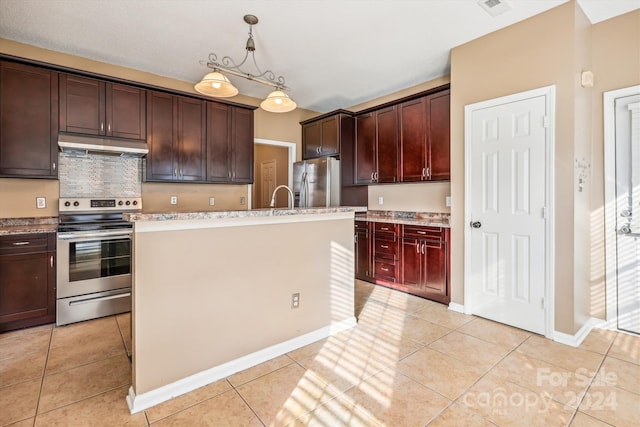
{"x": 291, "y": 148}
{"x": 549, "y": 92}
{"x": 611, "y": 258}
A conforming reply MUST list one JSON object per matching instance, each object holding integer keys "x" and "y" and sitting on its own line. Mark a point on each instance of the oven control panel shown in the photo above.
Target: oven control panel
{"x": 118, "y": 204}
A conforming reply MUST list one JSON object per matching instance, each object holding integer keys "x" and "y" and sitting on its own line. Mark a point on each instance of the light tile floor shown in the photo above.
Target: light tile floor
{"x": 409, "y": 362}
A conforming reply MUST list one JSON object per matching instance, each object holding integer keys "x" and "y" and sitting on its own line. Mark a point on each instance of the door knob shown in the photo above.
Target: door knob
{"x": 476, "y": 224}
{"x": 626, "y": 213}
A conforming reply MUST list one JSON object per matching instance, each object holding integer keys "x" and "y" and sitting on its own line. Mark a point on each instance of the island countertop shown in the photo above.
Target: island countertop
{"x": 253, "y": 213}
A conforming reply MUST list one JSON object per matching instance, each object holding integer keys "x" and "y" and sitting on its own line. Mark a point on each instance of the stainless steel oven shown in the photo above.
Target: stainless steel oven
{"x": 94, "y": 258}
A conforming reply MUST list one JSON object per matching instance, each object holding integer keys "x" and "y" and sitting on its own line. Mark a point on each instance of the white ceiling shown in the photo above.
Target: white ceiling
{"x": 333, "y": 53}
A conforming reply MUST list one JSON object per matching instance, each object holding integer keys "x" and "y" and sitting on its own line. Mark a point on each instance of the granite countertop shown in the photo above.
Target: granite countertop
{"x": 253, "y": 213}
{"x": 429, "y": 219}
{"x": 9, "y": 226}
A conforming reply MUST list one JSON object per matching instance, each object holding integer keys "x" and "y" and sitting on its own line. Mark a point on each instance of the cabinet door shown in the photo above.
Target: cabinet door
{"x": 218, "y": 147}
{"x": 330, "y": 136}
{"x": 365, "y": 148}
{"x": 438, "y": 131}
{"x": 192, "y": 139}
{"x": 242, "y": 145}
{"x": 362, "y": 255}
{"x": 387, "y": 144}
{"x": 411, "y": 262}
{"x": 435, "y": 268}
{"x": 162, "y": 163}
{"x": 27, "y": 283}
{"x": 28, "y": 121}
{"x": 82, "y": 105}
{"x": 125, "y": 111}
{"x": 412, "y": 118}
{"x": 311, "y": 140}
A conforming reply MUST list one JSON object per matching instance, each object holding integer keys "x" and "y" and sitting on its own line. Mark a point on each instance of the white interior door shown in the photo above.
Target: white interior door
{"x": 507, "y": 193}
{"x": 627, "y": 207}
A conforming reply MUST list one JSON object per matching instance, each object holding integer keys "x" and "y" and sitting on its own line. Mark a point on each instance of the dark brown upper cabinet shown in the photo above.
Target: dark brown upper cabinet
{"x": 229, "y": 144}
{"x": 376, "y": 158}
{"x": 28, "y": 121}
{"x": 95, "y": 107}
{"x": 176, "y": 136}
{"x": 424, "y": 127}
{"x": 325, "y": 135}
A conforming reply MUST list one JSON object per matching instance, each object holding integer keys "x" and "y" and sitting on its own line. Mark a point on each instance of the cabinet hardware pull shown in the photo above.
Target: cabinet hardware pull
{"x": 421, "y": 232}
{"x": 109, "y": 128}
{"x": 384, "y": 246}
{"x": 20, "y": 243}
{"x": 417, "y": 249}
{"x": 54, "y": 165}
{"x": 175, "y": 172}
{"x": 422, "y": 249}
{"x": 51, "y": 261}
{"x": 101, "y": 126}
{"x": 355, "y": 237}
{"x": 384, "y": 228}
{"x": 424, "y": 171}
{"x": 428, "y": 171}
{"x": 384, "y": 269}
{"x": 376, "y": 176}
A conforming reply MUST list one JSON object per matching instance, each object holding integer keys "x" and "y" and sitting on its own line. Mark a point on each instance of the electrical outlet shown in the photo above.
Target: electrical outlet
{"x": 243, "y": 200}
{"x": 381, "y": 200}
{"x": 447, "y": 201}
{"x": 212, "y": 201}
{"x": 174, "y": 200}
{"x": 41, "y": 202}
{"x": 295, "y": 300}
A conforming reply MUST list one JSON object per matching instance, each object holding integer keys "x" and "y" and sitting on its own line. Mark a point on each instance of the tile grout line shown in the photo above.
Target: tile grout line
{"x": 247, "y": 403}
{"x": 44, "y": 371}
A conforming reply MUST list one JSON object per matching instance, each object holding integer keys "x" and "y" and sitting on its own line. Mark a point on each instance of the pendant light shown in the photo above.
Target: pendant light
{"x": 216, "y": 84}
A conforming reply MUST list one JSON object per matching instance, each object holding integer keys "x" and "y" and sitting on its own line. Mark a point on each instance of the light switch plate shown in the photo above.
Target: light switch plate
{"x": 447, "y": 201}
{"x": 243, "y": 200}
{"x": 174, "y": 200}
{"x": 381, "y": 200}
{"x": 212, "y": 201}
{"x": 41, "y": 202}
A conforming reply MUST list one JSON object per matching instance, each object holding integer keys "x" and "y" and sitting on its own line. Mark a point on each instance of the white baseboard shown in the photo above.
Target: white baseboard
{"x": 576, "y": 339}
{"x": 140, "y": 402}
{"x": 454, "y": 306}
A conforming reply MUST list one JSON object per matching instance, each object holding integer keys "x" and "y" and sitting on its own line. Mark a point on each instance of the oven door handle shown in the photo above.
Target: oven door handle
{"x": 94, "y": 299}
{"x": 101, "y": 235}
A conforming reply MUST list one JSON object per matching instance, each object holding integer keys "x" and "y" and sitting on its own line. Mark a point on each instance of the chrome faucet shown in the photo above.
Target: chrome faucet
{"x": 273, "y": 196}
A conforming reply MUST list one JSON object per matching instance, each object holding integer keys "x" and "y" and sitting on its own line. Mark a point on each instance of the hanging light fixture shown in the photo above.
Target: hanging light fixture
{"x": 218, "y": 85}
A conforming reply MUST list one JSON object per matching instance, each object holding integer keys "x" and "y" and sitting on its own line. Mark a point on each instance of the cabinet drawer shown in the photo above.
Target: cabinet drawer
{"x": 431, "y": 233}
{"x": 384, "y": 247}
{"x": 24, "y": 244}
{"x": 385, "y": 227}
{"x": 361, "y": 225}
{"x": 385, "y": 271}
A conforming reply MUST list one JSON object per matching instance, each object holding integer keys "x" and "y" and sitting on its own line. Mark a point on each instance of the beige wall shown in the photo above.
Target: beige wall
{"x": 193, "y": 197}
{"x": 214, "y": 309}
{"x": 414, "y": 197}
{"x": 534, "y": 53}
{"x": 279, "y": 127}
{"x": 616, "y": 65}
{"x": 18, "y": 197}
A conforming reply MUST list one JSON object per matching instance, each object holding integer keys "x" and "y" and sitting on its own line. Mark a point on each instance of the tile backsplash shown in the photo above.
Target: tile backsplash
{"x": 97, "y": 175}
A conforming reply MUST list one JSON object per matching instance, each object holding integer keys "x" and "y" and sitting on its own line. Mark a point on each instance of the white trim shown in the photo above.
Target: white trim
{"x": 576, "y": 339}
{"x": 454, "y": 306}
{"x": 549, "y": 92}
{"x": 292, "y": 153}
{"x": 140, "y": 402}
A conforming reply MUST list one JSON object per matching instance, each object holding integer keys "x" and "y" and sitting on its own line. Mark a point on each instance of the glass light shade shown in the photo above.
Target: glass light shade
{"x": 278, "y": 102}
{"x": 216, "y": 84}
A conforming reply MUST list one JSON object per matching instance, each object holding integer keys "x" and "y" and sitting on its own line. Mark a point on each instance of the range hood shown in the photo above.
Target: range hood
{"x": 83, "y": 144}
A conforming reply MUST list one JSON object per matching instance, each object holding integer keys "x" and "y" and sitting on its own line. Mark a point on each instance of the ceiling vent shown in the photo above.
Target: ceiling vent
{"x": 494, "y": 7}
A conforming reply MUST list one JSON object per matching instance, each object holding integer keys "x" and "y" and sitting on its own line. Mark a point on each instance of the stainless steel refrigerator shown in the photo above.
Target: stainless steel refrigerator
{"x": 316, "y": 183}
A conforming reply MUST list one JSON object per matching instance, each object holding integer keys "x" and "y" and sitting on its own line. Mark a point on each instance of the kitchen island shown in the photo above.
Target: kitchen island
{"x": 213, "y": 292}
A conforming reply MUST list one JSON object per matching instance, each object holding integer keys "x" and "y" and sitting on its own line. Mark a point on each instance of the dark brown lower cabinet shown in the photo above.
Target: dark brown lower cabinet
{"x": 413, "y": 259}
{"x": 27, "y": 280}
